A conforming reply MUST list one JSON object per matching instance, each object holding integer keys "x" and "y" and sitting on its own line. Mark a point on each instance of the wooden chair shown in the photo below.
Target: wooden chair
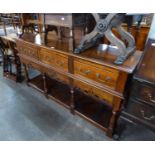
{"x": 10, "y": 60}
{"x": 10, "y": 20}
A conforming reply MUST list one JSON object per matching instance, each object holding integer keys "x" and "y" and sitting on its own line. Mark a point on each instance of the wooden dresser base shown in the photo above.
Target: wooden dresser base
{"x": 91, "y": 109}
{"x": 88, "y": 84}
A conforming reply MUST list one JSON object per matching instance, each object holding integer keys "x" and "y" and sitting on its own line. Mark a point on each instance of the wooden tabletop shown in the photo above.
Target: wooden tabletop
{"x": 96, "y": 54}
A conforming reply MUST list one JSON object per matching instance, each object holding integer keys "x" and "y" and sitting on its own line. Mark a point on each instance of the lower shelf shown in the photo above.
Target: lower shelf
{"x": 92, "y": 110}
{"x": 96, "y": 112}
{"x": 37, "y": 83}
{"x": 60, "y": 92}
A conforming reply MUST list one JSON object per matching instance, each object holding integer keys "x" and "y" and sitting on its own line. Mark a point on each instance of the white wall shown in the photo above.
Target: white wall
{"x": 152, "y": 29}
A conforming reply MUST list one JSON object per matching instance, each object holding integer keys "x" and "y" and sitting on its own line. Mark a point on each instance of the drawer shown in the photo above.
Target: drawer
{"x": 98, "y": 73}
{"x": 59, "y": 19}
{"x": 28, "y": 50}
{"x": 142, "y": 111}
{"x": 94, "y": 91}
{"x": 144, "y": 92}
{"x": 54, "y": 59}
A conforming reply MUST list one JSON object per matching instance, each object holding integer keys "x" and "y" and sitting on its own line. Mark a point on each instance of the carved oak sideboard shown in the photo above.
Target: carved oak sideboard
{"x": 88, "y": 84}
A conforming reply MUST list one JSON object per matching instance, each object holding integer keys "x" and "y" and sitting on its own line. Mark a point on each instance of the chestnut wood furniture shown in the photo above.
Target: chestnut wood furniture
{"x": 32, "y": 22}
{"x": 61, "y": 23}
{"x": 10, "y": 19}
{"x": 11, "y": 61}
{"x": 88, "y": 84}
{"x": 139, "y": 33}
{"x": 140, "y": 108}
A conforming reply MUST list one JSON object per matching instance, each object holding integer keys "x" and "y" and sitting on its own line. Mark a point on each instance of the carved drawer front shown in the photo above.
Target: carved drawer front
{"x": 96, "y": 72}
{"x": 94, "y": 91}
{"x": 59, "y": 19}
{"x": 144, "y": 93}
{"x": 28, "y": 50}
{"x": 54, "y": 59}
{"x": 143, "y": 111}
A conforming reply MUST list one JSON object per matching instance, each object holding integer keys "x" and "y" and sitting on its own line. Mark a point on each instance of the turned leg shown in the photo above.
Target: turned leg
{"x": 120, "y": 127}
{"x": 9, "y": 65}
{"x": 45, "y": 85}
{"x": 72, "y": 106}
{"x": 18, "y": 70}
{"x": 112, "y": 124}
{"x": 59, "y": 34}
{"x": 26, "y": 74}
{"x": 5, "y": 63}
{"x": 4, "y": 27}
{"x": 114, "y": 116}
{"x": 39, "y": 28}
{"x": 71, "y": 40}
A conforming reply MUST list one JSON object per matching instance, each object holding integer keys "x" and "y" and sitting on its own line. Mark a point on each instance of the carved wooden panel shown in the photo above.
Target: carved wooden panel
{"x": 94, "y": 91}
{"x": 28, "y": 50}
{"x": 54, "y": 59}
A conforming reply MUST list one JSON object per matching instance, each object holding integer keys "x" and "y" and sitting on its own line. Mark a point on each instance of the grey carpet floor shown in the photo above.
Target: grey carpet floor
{"x": 25, "y": 114}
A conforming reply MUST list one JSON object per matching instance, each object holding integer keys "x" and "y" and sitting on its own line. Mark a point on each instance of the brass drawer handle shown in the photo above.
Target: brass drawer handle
{"x": 150, "y": 98}
{"x": 97, "y": 75}
{"x": 87, "y": 72}
{"x": 107, "y": 78}
{"x": 147, "y": 118}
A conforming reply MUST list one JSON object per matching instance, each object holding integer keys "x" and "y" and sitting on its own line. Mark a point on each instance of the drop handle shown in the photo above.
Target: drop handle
{"x": 107, "y": 78}
{"x": 147, "y": 118}
{"x": 150, "y": 98}
{"x": 97, "y": 75}
{"x": 87, "y": 72}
